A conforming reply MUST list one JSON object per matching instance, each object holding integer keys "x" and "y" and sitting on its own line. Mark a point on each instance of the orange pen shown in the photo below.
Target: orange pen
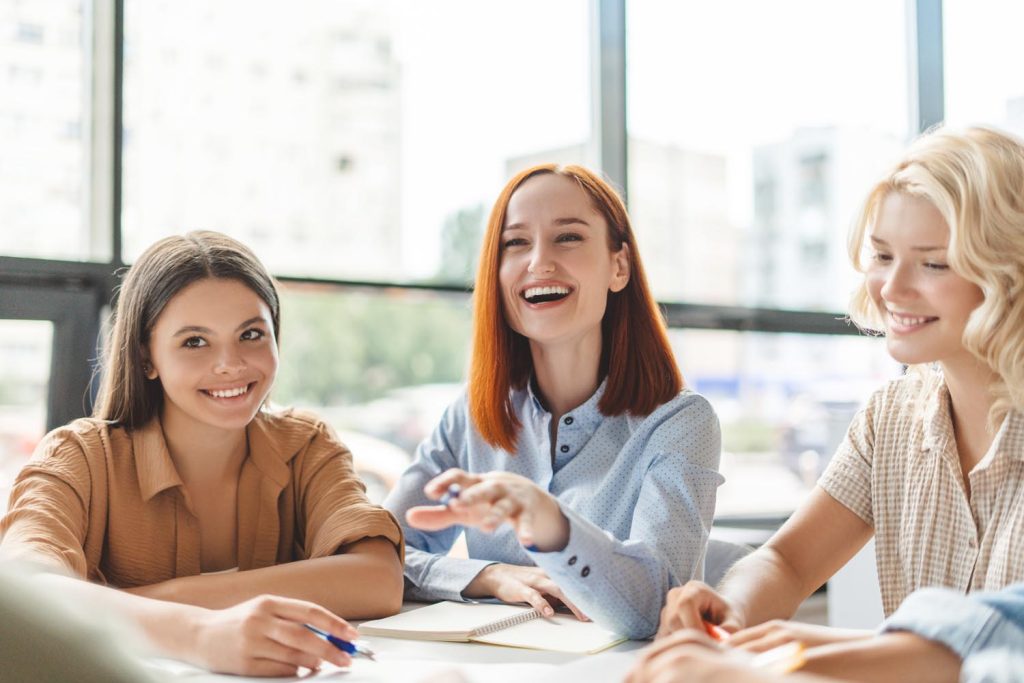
{"x": 716, "y": 632}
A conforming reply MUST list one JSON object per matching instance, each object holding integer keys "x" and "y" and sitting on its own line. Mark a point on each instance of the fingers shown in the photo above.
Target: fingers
{"x": 310, "y": 613}
{"x": 524, "y": 528}
{"x": 537, "y": 601}
{"x": 764, "y": 637}
{"x": 436, "y": 487}
{"x": 688, "y": 606}
{"x": 503, "y": 509}
{"x": 432, "y": 517}
{"x": 552, "y": 589}
{"x": 680, "y": 638}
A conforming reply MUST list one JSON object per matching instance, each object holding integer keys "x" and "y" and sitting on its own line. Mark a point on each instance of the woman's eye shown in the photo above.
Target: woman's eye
{"x": 569, "y": 237}
{"x": 514, "y": 242}
{"x": 936, "y": 266}
{"x": 253, "y": 334}
{"x": 194, "y": 343}
{"x": 880, "y": 257}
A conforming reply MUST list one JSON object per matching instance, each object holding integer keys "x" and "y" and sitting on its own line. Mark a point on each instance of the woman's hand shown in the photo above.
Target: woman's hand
{"x": 266, "y": 636}
{"x": 690, "y": 605}
{"x": 779, "y": 632}
{"x": 690, "y": 657}
{"x": 487, "y": 501}
{"x": 512, "y": 583}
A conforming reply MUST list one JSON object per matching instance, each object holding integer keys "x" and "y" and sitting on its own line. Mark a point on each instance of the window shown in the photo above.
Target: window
{"x": 784, "y": 402}
{"x": 357, "y": 147}
{"x": 983, "y": 53}
{"x": 380, "y": 367}
{"x": 25, "y": 347}
{"x": 44, "y": 124}
{"x": 368, "y": 147}
{"x": 752, "y": 124}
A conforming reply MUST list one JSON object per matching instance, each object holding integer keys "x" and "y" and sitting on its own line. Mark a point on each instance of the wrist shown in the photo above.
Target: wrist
{"x": 551, "y": 529}
{"x": 481, "y": 586}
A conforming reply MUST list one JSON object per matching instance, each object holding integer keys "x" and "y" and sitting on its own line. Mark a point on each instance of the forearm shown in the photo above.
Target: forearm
{"x": 894, "y": 658}
{"x": 170, "y": 628}
{"x": 620, "y": 585}
{"x": 364, "y": 582}
{"x": 763, "y": 586}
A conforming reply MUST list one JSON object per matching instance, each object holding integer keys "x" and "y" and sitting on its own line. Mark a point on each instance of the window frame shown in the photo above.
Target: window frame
{"x": 74, "y": 294}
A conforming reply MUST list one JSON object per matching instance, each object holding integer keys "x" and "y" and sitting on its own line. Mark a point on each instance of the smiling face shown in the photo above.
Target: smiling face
{"x": 924, "y": 303}
{"x": 556, "y": 268}
{"x": 214, "y": 352}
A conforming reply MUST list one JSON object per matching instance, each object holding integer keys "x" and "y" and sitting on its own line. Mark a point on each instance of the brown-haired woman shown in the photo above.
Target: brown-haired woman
{"x": 188, "y": 494}
{"x": 575, "y": 427}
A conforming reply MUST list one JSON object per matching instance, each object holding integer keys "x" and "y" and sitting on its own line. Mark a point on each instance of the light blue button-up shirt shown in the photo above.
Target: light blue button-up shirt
{"x": 639, "y": 494}
{"x": 986, "y": 629}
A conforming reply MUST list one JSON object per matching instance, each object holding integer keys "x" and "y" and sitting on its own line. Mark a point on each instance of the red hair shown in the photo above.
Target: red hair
{"x": 635, "y": 354}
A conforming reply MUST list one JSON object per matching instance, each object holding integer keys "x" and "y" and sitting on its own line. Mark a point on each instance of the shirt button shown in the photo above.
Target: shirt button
{"x": 565, "y": 448}
{"x": 568, "y": 420}
{"x": 572, "y": 560}
{"x": 585, "y": 572}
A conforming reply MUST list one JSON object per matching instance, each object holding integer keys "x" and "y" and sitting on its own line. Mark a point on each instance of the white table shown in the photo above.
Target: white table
{"x": 418, "y": 661}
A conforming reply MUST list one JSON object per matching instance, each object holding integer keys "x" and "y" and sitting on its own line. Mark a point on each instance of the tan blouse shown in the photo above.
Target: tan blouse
{"x": 899, "y": 471}
{"x": 109, "y": 504}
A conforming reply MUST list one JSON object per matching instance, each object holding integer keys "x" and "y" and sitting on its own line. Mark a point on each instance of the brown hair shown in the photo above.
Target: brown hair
{"x": 126, "y": 397}
{"x": 635, "y": 353}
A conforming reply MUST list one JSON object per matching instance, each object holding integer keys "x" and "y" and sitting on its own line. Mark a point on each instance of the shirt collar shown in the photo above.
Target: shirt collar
{"x": 585, "y": 414}
{"x": 938, "y": 425}
{"x": 273, "y": 443}
{"x": 1011, "y": 437}
{"x": 271, "y": 448}
{"x": 153, "y": 464}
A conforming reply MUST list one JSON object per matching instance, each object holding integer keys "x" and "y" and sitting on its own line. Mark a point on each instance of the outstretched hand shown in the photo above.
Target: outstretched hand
{"x": 486, "y": 501}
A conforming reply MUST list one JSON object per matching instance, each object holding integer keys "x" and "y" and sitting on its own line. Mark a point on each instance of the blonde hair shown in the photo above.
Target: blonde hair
{"x": 975, "y": 179}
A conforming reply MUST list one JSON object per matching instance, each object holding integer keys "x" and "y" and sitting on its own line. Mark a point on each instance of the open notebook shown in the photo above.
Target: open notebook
{"x": 507, "y": 625}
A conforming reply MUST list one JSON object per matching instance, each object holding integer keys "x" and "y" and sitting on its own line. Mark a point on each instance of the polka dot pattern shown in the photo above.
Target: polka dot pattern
{"x": 639, "y": 493}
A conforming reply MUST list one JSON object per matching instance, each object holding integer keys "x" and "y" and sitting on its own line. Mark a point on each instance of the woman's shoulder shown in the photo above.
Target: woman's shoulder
{"x": 77, "y": 444}
{"x": 686, "y": 406}
{"x": 683, "y": 417}
{"x": 289, "y": 428}
{"x": 904, "y": 396}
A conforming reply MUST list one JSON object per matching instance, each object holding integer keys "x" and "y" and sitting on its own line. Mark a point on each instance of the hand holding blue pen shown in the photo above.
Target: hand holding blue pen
{"x": 353, "y": 649}
{"x": 451, "y": 494}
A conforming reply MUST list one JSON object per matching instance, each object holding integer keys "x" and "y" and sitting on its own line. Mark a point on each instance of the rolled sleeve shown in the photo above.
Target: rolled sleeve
{"x": 47, "y": 519}
{"x": 967, "y": 625}
{"x": 336, "y": 510}
{"x": 848, "y": 475}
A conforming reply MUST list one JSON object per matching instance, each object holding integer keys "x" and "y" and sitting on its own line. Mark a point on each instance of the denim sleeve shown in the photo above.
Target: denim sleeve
{"x": 967, "y": 625}
{"x": 429, "y": 573}
{"x": 622, "y": 584}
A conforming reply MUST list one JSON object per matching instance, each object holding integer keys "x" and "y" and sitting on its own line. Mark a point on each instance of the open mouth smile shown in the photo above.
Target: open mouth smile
{"x": 233, "y": 394}
{"x": 906, "y": 323}
{"x": 545, "y": 294}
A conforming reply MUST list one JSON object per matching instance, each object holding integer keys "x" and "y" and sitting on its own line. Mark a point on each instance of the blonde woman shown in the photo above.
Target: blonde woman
{"x": 933, "y": 466}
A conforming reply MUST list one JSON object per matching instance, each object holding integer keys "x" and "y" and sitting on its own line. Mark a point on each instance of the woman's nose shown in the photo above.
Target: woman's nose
{"x": 540, "y": 261}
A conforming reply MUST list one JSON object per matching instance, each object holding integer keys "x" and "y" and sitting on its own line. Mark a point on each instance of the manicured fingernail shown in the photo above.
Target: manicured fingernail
{"x": 548, "y": 612}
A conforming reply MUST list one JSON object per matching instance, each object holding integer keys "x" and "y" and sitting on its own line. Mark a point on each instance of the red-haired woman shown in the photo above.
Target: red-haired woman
{"x": 575, "y": 428}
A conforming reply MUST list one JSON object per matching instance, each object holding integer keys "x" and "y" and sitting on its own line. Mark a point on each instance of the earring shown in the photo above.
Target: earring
{"x": 147, "y": 369}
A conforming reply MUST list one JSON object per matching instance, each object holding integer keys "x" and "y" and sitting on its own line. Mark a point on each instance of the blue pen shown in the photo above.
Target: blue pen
{"x": 451, "y": 494}
{"x": 343, "y": 645}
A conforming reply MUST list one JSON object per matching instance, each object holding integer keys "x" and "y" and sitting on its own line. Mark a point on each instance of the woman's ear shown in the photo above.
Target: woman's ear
{"x": 620, "y": 274}
{"x": 148, "y": 369}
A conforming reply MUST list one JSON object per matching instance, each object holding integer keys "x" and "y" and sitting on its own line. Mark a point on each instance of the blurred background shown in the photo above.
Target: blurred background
{"x": 357, "y": 145}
